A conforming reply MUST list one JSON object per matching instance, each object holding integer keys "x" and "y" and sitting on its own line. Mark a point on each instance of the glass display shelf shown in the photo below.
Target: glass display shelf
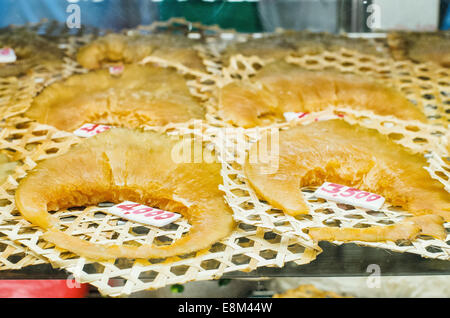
{"x": 343, "y": 260}
{"x": 354, "y": 260}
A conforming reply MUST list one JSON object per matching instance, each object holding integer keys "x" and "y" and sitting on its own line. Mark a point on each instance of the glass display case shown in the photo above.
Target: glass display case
{"x": 166, "y": 66}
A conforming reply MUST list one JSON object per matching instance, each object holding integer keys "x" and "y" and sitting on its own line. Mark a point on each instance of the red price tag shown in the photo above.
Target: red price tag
{"x": 5, "y": 51}
{"x": 143, "y": 214}
{"x": 7, "y": 55}
{"x": 89, "y": 130}
{"x": 347, "y": 195}
{"x": 116, "y": 70}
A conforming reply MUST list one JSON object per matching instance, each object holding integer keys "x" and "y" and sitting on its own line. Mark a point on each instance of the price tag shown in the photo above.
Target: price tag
{"x": 143, "y": 214}
{"x": 89, "y": 130}
{"x": 7, "y": 55}
{"x": 116, "y": 70}
{"x": 347, "y": 195}
{"x": 291, "y": 115}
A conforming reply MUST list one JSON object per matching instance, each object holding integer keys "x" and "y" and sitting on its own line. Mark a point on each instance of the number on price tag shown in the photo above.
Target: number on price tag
{"x": 116, "y": 70}
{"x": 89, "y": 130}
{"x": 7, "y": 55}
{"x": 347, "y": 195}
{"x": 143, "y": 214}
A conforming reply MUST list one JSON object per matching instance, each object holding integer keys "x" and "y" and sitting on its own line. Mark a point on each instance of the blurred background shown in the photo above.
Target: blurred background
{"x": 245, "y": 16}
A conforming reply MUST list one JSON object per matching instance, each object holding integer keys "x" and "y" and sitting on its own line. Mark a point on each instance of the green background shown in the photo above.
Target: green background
{"x": 241, "y": 16}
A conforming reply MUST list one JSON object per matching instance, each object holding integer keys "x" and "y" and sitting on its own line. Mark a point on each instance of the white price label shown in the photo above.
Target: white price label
{"x": 289, "y": 116}
{"x": 143, "y": 214}
{"x": 89, "y": 130}
{"x": 116, "y": 70}
{"x": 347, "y": 195}
{"x": 7, "y": 55}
